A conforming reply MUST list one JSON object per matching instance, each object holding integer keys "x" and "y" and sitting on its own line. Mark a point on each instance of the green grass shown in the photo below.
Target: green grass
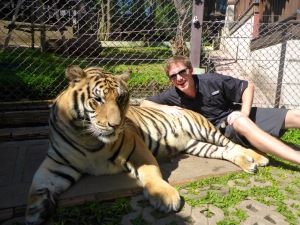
{"x": 31, "y": 74}
{"x": 143, "y": 73}
{"x": 109, "y": 213}
{"x": 137, "y": 52}
{"x": 35, "y": 74}
{"x": 227, "y": 203}
{"x": 292, "y": 136}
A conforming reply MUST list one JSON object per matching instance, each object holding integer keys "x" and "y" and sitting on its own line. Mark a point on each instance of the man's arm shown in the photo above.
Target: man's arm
{"x": 147, "y": 103}
{"x": 247, "y": 100}
{"x": 174, "y": 111}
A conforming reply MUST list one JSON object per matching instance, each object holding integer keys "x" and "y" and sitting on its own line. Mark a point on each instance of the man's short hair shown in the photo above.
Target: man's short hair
{"x": 178, "y": 59}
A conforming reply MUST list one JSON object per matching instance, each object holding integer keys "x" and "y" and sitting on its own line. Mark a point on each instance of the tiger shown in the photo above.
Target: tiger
{"x": 94, "y": 130}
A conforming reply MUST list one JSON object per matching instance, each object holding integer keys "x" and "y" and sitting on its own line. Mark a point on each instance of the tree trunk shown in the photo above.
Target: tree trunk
{"x": 82, "y": 19}
{"x": 178, "y": 46}
{"x": 102, "y": 26}
{"x": 105, "y": 23}
{"x": 152, "y": 12}
{"x": 182, "y": 17}
{"x": 108, "y": 27}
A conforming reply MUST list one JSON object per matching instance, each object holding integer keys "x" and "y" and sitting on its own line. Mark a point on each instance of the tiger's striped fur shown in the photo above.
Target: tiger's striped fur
{"x": 93, "y": 130}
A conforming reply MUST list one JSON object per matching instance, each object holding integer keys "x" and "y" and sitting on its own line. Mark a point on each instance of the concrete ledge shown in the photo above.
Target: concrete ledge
{"x": 199, "y": 70}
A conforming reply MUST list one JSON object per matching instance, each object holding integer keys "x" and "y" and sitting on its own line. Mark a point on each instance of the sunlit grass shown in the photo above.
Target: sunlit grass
{"x": 41, "y": 75}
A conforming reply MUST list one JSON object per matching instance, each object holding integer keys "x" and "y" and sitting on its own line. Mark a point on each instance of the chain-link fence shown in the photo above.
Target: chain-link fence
{"x": 266, "y": 54}
{"x": 39, "y": 39}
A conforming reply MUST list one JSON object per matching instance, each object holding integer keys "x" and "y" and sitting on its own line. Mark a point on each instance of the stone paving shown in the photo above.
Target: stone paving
{"x": 208, "y": 214}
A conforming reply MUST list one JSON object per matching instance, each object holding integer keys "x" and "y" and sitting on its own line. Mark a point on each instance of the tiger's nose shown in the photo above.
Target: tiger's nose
{"x": 113, "y": 125}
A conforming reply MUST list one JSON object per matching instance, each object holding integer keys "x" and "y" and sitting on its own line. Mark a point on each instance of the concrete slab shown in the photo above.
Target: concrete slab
{"x": 20, "y": 159}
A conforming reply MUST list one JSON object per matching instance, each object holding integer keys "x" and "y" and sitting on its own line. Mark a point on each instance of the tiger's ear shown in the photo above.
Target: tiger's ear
{"x": 125, "y": 76}
{"x": 75, "y": 73}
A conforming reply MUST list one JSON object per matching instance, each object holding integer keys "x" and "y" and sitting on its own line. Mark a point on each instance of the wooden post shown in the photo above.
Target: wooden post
{"x": 32, "y": 24}
{"x": 61, "y": 27}
{"x": 41, "y": 16}
{"x": 298, "y": 8}
{"x": 11, "y": 25}
{"x": 196, "y": 32}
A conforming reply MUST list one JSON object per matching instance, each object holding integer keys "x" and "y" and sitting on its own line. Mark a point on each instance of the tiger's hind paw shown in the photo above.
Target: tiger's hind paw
{"x": 247, "y": 163}
{"x": 163, "y": 196}
{"x": 261, "y": 159}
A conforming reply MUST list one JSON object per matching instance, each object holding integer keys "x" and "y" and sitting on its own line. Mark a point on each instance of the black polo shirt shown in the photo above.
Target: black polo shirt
{"x": 216, "y": 96}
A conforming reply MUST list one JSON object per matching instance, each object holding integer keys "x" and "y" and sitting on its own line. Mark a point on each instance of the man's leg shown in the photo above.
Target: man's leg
{"x": 265, "y": 142}
{"x": 292, "y": 119}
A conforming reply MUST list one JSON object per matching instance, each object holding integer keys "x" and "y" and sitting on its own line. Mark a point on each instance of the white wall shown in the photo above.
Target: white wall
{"x": 262, "y": 66}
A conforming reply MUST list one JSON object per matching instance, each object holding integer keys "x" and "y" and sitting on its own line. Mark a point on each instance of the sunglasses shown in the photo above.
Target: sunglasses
{"x": 180, "y": 73}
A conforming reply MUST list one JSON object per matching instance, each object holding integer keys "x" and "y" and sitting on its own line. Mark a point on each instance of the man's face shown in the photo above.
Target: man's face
{"x": 181, "y": 77}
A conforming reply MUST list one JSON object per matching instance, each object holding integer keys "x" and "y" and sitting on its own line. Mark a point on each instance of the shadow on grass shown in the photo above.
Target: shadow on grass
{"x": 285, "y": 164}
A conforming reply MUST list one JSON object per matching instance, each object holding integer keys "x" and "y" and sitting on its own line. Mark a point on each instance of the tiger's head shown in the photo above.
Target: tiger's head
{"x": 96, "y": 101}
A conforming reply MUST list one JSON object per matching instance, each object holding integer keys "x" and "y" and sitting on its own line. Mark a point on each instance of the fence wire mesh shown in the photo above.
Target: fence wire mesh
{"x": 39, "y": 39}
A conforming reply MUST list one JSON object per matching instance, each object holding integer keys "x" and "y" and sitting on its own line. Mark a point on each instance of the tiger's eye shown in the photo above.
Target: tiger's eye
{"x": 98, "y": 99}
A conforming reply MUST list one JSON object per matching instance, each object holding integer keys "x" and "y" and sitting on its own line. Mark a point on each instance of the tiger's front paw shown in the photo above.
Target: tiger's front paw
{"x": 162, "y": 196}
{"x": 40, "y": 208}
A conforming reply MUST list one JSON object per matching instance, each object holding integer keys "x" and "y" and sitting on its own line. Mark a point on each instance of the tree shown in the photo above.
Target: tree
{"x": 105, "y": 22}
{"x": 178, "y": 45}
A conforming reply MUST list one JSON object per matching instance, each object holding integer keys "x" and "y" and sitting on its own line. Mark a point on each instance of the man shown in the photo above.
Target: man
{"x": 223, "y": 98}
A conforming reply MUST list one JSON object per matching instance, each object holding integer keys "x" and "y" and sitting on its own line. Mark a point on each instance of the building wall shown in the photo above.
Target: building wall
{"x": 264, "y": 66}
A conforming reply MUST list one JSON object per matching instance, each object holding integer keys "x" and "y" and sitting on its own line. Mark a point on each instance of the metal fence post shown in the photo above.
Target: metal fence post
{"x": 281, "y": 67}
{"x": 196, "y": 32}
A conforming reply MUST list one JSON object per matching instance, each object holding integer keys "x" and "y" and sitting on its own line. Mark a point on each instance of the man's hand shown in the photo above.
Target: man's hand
{"x": 174, "y": 111}
{"x": 233, "y": 116}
